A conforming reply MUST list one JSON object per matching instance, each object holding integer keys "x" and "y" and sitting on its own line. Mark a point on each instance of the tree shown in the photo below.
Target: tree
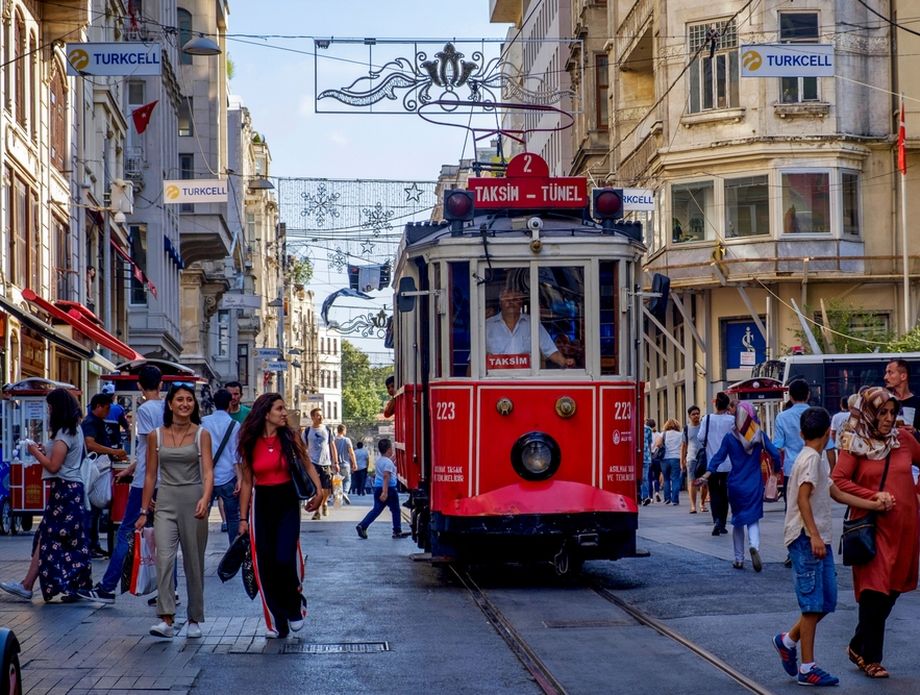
{"x": 853, "y": 329}
{"x": 909, "y": 342}
{"x": 363, "y": 388}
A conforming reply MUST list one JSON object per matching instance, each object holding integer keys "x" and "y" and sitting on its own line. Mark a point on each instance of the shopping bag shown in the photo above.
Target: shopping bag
{"x": 144, "y": 566}
{"x": 101, "y": 481}
{"x": 338, "y": 491}
{"x": 771, "y": 489}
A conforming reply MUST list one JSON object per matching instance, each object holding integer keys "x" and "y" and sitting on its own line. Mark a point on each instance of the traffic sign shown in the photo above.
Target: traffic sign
{"x": 277, "y": 366}
{"x": 528, "y": 185}
{"x": 268, "y": 353}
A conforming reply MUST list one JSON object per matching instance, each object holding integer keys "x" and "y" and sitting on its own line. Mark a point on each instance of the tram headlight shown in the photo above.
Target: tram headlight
{"x": 535, "y": 456}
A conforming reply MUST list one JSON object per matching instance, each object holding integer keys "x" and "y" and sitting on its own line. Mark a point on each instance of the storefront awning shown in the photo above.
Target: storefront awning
{"x": 47, "y": 331}
{"x": 75, "y": 319}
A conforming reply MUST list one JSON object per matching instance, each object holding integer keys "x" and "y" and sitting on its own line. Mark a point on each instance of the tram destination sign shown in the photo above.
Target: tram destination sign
{"x": 528, "y": 185}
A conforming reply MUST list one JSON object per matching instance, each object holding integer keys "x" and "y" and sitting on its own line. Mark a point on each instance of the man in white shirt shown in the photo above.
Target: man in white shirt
{"x": 225, "y": 434}
{"x": 713, "y": 429}
{"x": 508, "y": 333}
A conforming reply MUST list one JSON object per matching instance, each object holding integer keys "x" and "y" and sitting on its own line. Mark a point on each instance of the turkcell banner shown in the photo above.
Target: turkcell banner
{"x": 638, "y": 200}
{"x": 787, "y": 60}
{"x": 195, "y": 191}
{"x": 126, "y": 58}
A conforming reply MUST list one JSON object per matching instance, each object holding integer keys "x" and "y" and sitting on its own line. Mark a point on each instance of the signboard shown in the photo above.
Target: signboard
{"x": 125, "y": 58}
{"x": 268, "y": 353}
{"x": 240, "y": 301}
{"x": 528, "y": 185}
{"x": 277, "y": 366}
{"x": 638, "y": 200}
{"x": 743, "y": 344}
{"x": 787, "y": 60}
{"x": 194, "y": 191}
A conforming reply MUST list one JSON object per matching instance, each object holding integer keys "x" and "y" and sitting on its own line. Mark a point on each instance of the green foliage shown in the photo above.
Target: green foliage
{"x": 231, "y": 68}
{"x": 301, "y": 271}
{"x": 363, "y": 389}
{"x": 853, "y": 329}
{"x": 909, "y": 342}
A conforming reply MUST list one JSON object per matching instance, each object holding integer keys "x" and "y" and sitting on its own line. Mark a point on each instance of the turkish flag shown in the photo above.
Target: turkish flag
{"x": 902, "y": 136}
{"x": 141, "y": 116}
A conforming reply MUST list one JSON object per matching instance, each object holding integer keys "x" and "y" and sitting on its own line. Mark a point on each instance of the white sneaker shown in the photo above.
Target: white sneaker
{"x": 296, "y": 625}
{"x": 193, "y": 631}
{"x": 162, "y": 629}
{"x": 17, "y": 589}
{"x": 271, "y": 634}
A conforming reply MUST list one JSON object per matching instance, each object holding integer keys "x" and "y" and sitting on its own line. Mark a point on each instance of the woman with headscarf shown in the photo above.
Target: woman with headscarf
{"x": 870, "y": 442}
{"x": 743, "y": 446}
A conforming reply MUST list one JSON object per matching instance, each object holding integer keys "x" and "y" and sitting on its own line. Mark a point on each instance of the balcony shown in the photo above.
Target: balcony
{"x": 506, "y": 11}
{"x": 634, "y": 28}
{"x": 204, "y": 235}
{"x": 135, "y": 164}
{"x": 64, "y": 17}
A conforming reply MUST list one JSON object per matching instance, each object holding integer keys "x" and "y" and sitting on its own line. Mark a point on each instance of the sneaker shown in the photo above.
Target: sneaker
{"x": 401, "y": 534}
{"x": 325, "y": 510}
{"x": 98, "y": 553}
{"x": 787, "y": 656}
{"x": 738, "y": 565}
{"x": 658, "y": 497}
{"x": 97, "y": 595}
{"x": 17, "y": 589}
{"x": 362, "y": 532}
{"x": 316, "y": 516}
{"x": 162, "y": 629}
{"x": 193, "y": 631}
{"x": 667, "y": 501}
{"x": 223, "y": 527}
{"x": 271, "y": 634}
{"x": 647, "y": 501}
{"x": 296, "y": 625}
{"x": 818, "y": 677}
{"x": 716, "y": 531}
{"x": 723, "y": 530}
{"x": 787, "y": 563}
{"x": 756, "y": 562}
{"x": 69, "y": 598}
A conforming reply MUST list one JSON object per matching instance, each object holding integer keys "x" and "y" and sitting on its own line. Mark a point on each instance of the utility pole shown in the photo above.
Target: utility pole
{"x": 280, "y": 245}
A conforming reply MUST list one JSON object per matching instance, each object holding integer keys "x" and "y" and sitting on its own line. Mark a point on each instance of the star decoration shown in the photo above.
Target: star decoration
{"x": 367, "y": 247}
{"x": 413, "y": 193}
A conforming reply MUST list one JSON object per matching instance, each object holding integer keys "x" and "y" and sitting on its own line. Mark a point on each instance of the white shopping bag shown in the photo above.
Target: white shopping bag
{"x": 144, "y": 566}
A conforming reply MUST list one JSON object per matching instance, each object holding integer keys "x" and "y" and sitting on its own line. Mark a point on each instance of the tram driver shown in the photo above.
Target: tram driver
{"x": 508, "y": 333}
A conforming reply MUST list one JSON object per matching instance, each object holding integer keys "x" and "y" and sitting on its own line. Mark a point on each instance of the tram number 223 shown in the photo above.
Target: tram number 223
{"x": 446, "y": 410}
{"x": 622, "y": 410}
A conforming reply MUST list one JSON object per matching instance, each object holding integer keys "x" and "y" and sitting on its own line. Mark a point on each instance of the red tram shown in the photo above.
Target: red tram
{"x": 518, "y": 410}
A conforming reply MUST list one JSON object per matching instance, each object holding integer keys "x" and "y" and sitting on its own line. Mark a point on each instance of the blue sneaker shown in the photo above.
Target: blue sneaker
{"x": 787, "y": 656}
{"x": 818, "y": 677}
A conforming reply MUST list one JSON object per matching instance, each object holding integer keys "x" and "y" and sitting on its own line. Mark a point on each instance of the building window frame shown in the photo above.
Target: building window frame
{"x": 242, "y": 363}
{"x": 139, "y": 254}
{"x": 713, "y": 83}
{"x": 223, "y": 333}
{"x": 760, "y": 217}
{"x": 602, "y": 91}
{"x": 57, "y": 97}
{"x": 788, "y": 214}
{"x": 799, "y": 90}
{"x": 185, "y": 120}
{"x": 186, "y": 172}
{"x": 693, "y": 228}
{"x": 850, "y": 195}
{"x": 184, "y": 24}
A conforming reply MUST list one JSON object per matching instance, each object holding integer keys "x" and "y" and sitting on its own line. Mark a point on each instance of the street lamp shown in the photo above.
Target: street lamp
{"x": 261, "y": 183}
{"x": 201, "y": 45}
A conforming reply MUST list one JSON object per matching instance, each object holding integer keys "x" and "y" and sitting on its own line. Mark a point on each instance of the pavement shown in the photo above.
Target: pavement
{"x": 380, "y": 623}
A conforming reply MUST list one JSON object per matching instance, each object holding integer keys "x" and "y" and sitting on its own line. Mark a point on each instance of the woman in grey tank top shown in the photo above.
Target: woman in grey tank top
{"x": 180, "y": 452}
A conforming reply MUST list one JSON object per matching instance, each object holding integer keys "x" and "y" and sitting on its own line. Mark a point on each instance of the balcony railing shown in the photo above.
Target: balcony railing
{"x": 631, "y": 27}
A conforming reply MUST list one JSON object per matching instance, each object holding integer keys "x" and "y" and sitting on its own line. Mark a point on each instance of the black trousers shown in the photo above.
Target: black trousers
{"x": 869, "y": 639}
{"x": 277, "y": 530}
{"x": 718, "y": 498}
{"x": 357, "y": 481}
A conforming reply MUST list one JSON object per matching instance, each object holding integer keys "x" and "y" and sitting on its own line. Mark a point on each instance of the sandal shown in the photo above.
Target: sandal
{"x": 856, "y": 659}
{"x": 876, "y": 671}
{"x": 704, "y": 509}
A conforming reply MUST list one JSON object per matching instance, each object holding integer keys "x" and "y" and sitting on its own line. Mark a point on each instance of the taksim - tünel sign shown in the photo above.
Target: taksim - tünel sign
{"x": 126, "y": 59}
{"x": 787, "y": 60}
{"x": 194, "y": 191}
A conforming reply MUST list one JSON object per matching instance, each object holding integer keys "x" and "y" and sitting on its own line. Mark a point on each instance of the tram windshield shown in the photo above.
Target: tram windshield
{"x": 510, "y": 302}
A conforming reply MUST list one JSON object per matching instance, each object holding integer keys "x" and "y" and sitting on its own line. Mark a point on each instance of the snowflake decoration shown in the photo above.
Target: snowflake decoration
{"x": 378, "y": 219}
{"x": 413, "y": 193}
{"x": 338, "y": 259}
{"x": 321, "y": 205}
{"x": 367, "y": 247}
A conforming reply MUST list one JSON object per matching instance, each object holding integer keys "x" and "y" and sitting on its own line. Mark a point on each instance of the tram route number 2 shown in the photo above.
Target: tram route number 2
{"x": 446, "y": 410}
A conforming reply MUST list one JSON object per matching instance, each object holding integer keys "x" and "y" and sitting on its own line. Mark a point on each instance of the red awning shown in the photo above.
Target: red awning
{"x": 139, "y": 274}
{"x": 75, "y": 319}
{"x": 85, "y": 313}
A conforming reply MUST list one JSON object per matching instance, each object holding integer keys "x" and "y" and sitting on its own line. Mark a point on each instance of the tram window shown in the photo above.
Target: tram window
{"x": 438, "y": 322}
{"x": 608, "y": 316}
{"x": 506, "y": 316}
{"x": 459, "y": 318}
{"x": 562, "y": 315}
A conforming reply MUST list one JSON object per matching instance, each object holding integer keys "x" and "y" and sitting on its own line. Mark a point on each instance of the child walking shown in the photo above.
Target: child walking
{"x": 808, "y": 524}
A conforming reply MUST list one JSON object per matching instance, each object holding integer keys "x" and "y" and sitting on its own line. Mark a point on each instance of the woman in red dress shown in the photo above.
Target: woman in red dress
{"x": 267, "y": 448}
{"x": 869, "y": 439}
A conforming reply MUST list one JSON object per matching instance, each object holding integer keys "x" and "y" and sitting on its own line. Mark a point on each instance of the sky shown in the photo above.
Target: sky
{"x": 276, "y": 83}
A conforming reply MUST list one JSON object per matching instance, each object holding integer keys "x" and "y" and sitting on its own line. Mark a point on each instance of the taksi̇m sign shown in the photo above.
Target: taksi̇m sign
{"x": 787, "y": 60}
{"x": 126, "y": 58}
{"x": 194, "y": 191}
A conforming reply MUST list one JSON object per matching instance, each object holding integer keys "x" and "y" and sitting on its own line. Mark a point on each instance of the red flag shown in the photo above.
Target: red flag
{"x": 138, "y": 273}
{"x": 141, "y": 116}
{"x": 902, "y": 136}
{"x": 151, "y": 288}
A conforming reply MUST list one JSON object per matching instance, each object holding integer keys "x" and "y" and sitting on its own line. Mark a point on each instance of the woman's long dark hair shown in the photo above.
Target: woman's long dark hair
{"x": 65, "y": 412}
{"x": 167, "y": 411}
{"x": 254, "y": 427}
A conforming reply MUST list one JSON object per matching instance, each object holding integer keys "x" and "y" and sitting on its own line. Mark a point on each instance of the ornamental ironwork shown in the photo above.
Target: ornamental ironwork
{"x": 369, "y": 325}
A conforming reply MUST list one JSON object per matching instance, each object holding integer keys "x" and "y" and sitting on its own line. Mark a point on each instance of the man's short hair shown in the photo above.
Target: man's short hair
{"x": 722, "y": 401}
{"x": 383, "y": 446}
{"x": 390, "y": 380}
{"x": 359, "y": 445}
{"x": 799, "y": 391}
{"x": 902, "y": 365}
{"x": 149, "y": 378}
{"x": 316, "y": 410}
{"x": 222, "y": 399}
{"x": 692, "y": 408}
{"x": 650, "y": 422}
{"x": 100, "y": 399}
{"x": 815, "y": 422}
{"x": 233, "y": 385}
{"x": 340, "y": 429}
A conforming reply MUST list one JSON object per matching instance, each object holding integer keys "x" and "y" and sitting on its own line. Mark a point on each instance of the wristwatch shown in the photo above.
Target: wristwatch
{"x": 143, "y": 512}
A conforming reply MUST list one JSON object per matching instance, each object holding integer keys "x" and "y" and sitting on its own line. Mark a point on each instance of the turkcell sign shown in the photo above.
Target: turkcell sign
{"x": 195, "y": 191}
{"x": 528, "y": 185}
{"x": 787, "y": 60}
{"x": 636, "y": 200}
{"x": 125, "y": 58}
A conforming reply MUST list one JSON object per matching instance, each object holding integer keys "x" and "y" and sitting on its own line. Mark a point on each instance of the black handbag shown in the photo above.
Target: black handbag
{"x": 700, "y": 463}
{"x": 303, "y": 485}
{"x": 857, "y": 543}
{"x": 233, "y": 559}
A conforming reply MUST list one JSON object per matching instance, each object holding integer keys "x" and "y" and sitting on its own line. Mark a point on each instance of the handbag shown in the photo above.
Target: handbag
{"x": 700, "y": 463}
{"x": 857, "y": 543}
{"x": 303, "y": 486}
{"x": 99, "y": 491}
{"x": 233, "y": 559}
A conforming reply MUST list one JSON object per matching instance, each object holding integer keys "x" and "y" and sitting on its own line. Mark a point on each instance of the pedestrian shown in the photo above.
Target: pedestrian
{"x": 839, "y": 420}
{"x": 389, "y": 409}
{"x": 897, "y": 380}
{"x": 713, "y": 429}
{"x": 347, "y": 462}
{"x": 787, "y": 435}
{"x": 268, "y": 446}
{"x": 807, "y": 527}
{"x": 225, "y": 432}
{"x": 671, "y": 439}
{"x": 648, "y": 438}
{"x": 386, "y": 493}
{"x": 179, "y": 454}
{"x": 60, "y": 549}
{"x": 742, "y": 447}
{"x": 97, "y": 437}
{"x": 237, "y": 410}
{"x": 323, "y": 455}
{"x": 362, "y": 459}
{"x": 877, "y": 456}
{"x": 654, "y": 467}
{"x": 149, "y": 418}
{"x": 689, "y": 448}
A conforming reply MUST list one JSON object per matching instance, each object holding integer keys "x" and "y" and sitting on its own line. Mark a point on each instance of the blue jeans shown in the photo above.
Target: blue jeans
{"x": 345, "y": 472}
{"x": 670, "y": 471}
{"x": 231, "y": 507}
{"x": 392, "y": 502}
{"x": 644, "y": 492}
{"x": 125, "y": 534}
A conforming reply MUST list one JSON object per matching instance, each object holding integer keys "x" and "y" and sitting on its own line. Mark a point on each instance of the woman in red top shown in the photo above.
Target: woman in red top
{"x": 273, "y": 523}
{"x": 870, "y": 438}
